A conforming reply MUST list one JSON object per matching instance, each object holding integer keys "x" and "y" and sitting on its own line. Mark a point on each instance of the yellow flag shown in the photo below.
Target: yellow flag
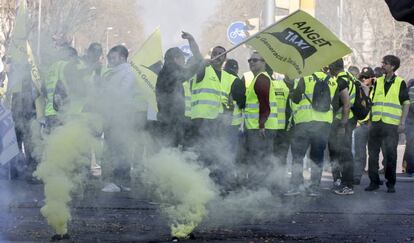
{"x": 40, "y": 101}
{"x": 17, "y": 48}
{"x": 33, "y": 69}
{"x": 146, "y": 64}
{"x": 298, "y": 45}
{"x": 19, "y": 35}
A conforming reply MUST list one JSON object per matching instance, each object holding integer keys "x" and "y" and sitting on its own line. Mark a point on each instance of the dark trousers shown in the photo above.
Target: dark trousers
{"x": 409, "y": 147}
{"x": 258, "y": 159}
{"x": 281, "y": 143}
{"x": 172, "y": 133}
{"x": 118, "y": 152}
{"x": 315, "y": 135}
{"x": 207, "y": 139}
{"x": 340, "y": 152}
{"x": 360, "y": 147}
{"x": 117, "y": 163}
{"x": 24, "y": 139}
{"x": 382, "y": 137}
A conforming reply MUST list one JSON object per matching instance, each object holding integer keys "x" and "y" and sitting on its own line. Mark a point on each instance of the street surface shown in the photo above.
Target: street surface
{"x": 119, "y": 217}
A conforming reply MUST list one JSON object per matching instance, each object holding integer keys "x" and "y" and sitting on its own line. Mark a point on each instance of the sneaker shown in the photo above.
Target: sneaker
{"x": 344, "y": 191}
{"x": 292, "y": 192}
{"x": 372, "y": 187}
{"x": 125, "y": 188}
{"x": 111, "y": 187}
{"x": 313, "y": 192}
{"x": 391, "y": 189}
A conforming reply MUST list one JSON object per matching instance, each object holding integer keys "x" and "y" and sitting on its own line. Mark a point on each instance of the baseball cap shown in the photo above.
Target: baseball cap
{"x": 366, "y": 72}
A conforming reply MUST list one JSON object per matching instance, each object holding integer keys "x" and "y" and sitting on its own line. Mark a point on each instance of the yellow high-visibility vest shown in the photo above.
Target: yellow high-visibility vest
{"x": 304, "y": 111}
{"x": 207, "y": 96}
{"x": 387, "y": 107}
{"x": 252, "y": 107}
{"x": 226, "y": 81}
{"x": 351, "y": 90}
{"x": 281, "y": 93}
{"x": 55, "y": 74}
{"x": 187, "y": 96}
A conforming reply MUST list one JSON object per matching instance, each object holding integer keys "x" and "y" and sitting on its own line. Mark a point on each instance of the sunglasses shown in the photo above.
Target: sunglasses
{"x": 255, "y": 60}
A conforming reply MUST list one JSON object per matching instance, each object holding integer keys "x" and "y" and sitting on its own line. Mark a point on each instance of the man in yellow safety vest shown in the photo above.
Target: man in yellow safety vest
{"x": 389, "y": 112}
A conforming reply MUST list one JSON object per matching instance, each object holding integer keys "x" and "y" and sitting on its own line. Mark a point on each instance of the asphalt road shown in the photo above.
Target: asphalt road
{"x": 122, "y": 217}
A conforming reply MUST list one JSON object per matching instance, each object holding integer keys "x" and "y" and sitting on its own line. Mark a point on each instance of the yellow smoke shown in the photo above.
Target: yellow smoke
{"x": 67, "y": 153}
{"x": 182, "y": 183}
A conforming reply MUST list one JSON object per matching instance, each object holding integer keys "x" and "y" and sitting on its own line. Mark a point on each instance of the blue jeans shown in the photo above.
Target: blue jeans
{"x": 360, "y": 148}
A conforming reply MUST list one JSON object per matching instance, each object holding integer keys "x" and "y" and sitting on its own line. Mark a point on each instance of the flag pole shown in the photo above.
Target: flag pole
{"x": 39, "y": 31}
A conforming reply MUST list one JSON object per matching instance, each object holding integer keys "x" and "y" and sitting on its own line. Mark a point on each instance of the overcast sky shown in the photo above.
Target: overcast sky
{"x": 175, "y": 15}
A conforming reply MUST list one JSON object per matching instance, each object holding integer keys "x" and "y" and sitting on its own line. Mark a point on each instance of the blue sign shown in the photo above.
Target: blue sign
{"x": 236, "y": 32}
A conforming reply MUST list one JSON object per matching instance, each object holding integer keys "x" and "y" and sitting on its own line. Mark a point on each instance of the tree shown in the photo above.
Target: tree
{"x": 122, "y": 18}
{"x": 77, "y": 22}
{"x": 7, "y": 16}
{"x": 228, "y": 11}
{"x": 371, "y": 32}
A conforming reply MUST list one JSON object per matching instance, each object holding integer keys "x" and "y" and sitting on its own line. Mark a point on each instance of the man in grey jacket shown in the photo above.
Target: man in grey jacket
{"x": 124, "y": 110}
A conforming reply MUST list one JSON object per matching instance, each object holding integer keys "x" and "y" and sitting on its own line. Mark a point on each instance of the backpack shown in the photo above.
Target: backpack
{"x": 321, "y": 100}
{"x": 363, "y": 103}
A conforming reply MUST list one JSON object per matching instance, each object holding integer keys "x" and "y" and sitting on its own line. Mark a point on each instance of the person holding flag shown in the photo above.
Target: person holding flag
{"x": 260, "y": 121}
{"x": 209, "y": 98}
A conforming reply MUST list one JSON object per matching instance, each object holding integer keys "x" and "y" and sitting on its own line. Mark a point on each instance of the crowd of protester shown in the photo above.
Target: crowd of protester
{"x": 253, "y": 119}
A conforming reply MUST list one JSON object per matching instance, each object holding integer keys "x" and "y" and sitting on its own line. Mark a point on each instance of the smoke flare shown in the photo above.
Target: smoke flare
{"x": 67, "y": 153}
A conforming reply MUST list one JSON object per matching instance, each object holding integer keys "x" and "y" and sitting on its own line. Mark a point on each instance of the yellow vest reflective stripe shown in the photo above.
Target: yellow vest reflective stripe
{"x": 252, "y": 107}
{"x": 351, "y": 90}
{"x": 237, "y": 115}
{"x": 207, "y": 96}
{"x": 187, "y": 97}
{"x": 387, "y": 108}
{"x": 281, "y": 93}
{"x": 55, "y": 74}
{"x": 304, "y": 111}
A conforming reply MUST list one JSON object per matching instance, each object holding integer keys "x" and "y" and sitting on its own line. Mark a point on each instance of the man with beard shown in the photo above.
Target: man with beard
{"x": 389, "y": 112}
